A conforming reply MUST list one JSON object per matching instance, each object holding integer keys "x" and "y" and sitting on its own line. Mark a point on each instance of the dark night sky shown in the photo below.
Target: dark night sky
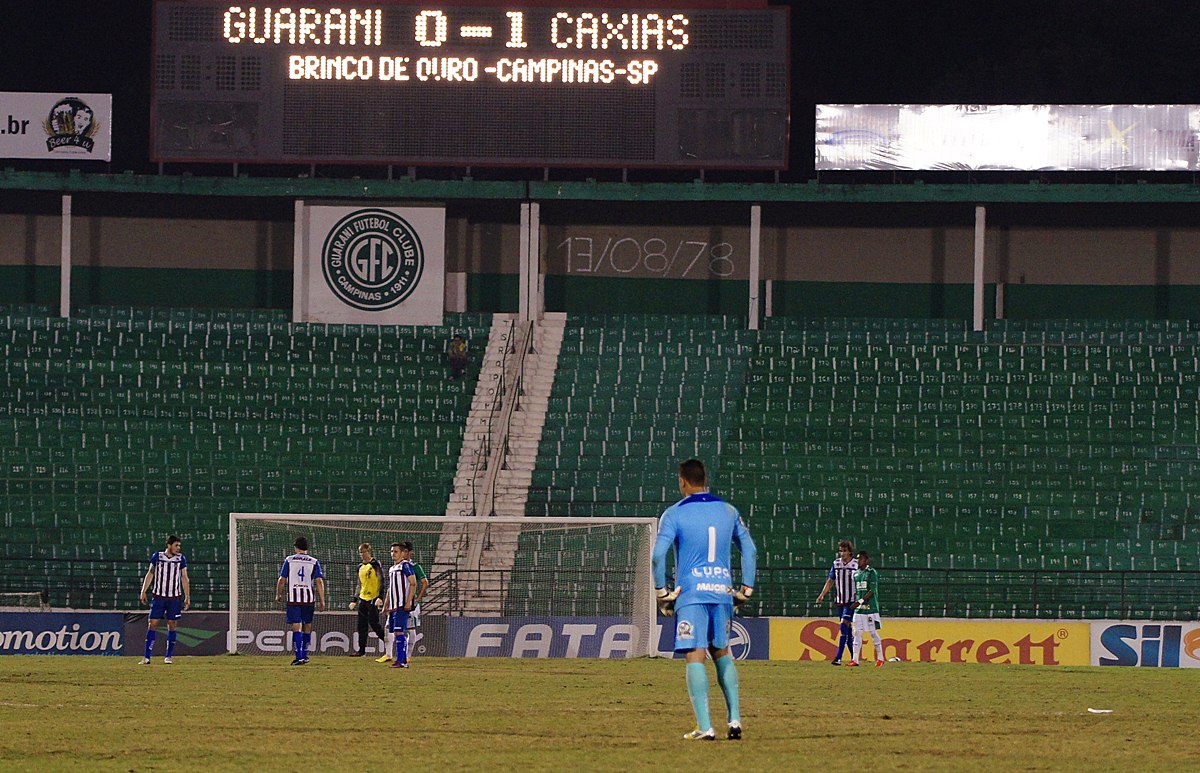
{"x": 970, "y": 51}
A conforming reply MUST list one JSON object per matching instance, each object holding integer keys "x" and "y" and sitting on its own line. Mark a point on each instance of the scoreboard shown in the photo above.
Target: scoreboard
{"x": 510, "y": 85}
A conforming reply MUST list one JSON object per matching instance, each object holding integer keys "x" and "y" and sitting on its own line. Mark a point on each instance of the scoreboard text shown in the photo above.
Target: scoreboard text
{"x": 502, "y": 85}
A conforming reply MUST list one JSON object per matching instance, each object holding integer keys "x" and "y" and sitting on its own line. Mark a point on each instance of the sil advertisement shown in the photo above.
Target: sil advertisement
{"x": 1146, "y": 643}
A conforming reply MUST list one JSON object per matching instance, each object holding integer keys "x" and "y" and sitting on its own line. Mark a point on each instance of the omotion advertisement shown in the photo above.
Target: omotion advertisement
{"x": 61, "y": 633}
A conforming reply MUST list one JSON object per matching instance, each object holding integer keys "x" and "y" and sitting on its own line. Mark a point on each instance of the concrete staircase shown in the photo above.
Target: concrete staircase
{"x": 525, "y": 429}
{"x": 482, "y": 432}
{"x": 496, "y": 465}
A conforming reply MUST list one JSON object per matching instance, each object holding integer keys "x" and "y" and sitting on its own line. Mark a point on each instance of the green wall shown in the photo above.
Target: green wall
{"x": 149, "y": 287}
{"x": 609, "y": 295}
{"x": 1101, "y": 302}
{"x": 876, "y": 299}
{"x": 931, "y": 301}
{"x": 600, "y": 295}
{"x": 29, "y": 284}
{"x": 493, "y": 293}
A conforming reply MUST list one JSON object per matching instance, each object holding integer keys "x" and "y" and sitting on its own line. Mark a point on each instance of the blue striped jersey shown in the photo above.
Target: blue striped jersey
{"x": 842, "y": 575}
{"x": 399, "y": 577}
{"x": 168, "y": 575}
{"x": 301, "y": 570}
{"x": 701, "y": 529}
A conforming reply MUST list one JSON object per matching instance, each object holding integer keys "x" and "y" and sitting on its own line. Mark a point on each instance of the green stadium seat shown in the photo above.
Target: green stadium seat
{"x": 188, "y": 414}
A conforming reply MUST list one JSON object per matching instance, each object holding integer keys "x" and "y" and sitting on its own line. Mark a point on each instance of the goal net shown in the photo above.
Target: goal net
{"x": 24, "y": 601}
{"x": 506, "y": 587}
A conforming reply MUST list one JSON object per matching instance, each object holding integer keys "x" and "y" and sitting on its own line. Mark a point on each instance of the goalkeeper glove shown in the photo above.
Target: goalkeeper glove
{"x": 741, "y": 596}
{"x": 666, "y": 601}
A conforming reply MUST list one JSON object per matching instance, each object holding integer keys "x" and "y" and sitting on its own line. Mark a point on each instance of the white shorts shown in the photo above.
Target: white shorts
{"x": 414, "y": 617}
{"x": 866, "y": 623}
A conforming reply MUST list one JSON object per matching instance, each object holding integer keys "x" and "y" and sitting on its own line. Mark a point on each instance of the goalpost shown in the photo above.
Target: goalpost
{"x": 540, "y": 578}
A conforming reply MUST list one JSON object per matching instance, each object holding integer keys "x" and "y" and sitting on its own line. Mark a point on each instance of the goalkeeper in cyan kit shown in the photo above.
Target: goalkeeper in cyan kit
{"x": 700, "y": 528}
{"x": 368, "y": 601}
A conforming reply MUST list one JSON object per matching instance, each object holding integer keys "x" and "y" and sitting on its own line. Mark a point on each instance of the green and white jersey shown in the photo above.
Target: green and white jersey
{"x": 866, "y": 580}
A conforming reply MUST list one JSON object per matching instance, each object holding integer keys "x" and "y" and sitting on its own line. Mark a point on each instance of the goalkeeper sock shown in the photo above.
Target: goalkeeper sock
{"x": 697, "y": 685}
{"x": 298, "y": 644}
{"x": 401, "y": 648}
{"x": 150, "y": 636}
{"x": 170, "y": 643}
{"x": 728, "y": 679}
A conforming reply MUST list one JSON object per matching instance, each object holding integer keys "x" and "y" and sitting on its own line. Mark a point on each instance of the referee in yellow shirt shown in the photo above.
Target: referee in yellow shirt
{"x": 368, "y": 599}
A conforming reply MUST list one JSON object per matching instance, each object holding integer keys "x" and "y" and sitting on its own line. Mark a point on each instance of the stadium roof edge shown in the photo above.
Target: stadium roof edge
{"x": 916, "y": 193}
{"x": 261, "y": 187}
{"x": 467, "y": 189}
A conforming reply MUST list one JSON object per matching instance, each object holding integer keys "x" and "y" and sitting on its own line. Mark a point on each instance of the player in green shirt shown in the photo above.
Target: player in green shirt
{"x": 422, "y": 583}
{"x": 866, "y": 610}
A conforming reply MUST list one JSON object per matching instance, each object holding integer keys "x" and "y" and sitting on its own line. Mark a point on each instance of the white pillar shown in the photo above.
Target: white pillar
{"x": 64, "y": 277}
{"x": 755, "y": 261}
{"x": 300, "y": 263}
{"x": 536, "y": 301}
{"x": 456, "y": 291}
{"x": 980, "y": 226}
{"x": 523, "y": 299}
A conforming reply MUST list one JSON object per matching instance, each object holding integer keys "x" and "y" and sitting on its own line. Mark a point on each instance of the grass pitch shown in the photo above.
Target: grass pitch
{"x": 340, "y": 713}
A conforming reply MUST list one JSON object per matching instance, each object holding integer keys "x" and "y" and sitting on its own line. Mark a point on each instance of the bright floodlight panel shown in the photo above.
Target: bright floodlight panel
{"x": 451, "y": 85}
{"x": 1008, "y": 137}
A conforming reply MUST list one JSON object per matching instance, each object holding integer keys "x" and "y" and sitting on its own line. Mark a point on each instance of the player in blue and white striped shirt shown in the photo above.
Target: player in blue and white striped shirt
{"x": 701, "y": 528}
{"x": 172, "y": 594}
{"x": 398, "y": 602}
{"x": 301, "y": 574}
{"x": 841, "y": 576}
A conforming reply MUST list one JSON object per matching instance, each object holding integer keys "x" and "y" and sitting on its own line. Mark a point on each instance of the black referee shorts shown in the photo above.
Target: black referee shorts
{"x": 368, "y": 618}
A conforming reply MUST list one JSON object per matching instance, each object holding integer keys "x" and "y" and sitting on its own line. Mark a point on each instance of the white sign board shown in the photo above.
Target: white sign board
{"x": 1008, "y": 137}
{"x": 71, "y": 127}
{"x": 370, "y": 265}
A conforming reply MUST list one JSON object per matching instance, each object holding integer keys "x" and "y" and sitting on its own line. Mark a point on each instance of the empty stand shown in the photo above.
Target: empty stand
{"x": 121, "y": 425}
{"x": 1038, "y": 469}
{"x": 1002, "y": 465}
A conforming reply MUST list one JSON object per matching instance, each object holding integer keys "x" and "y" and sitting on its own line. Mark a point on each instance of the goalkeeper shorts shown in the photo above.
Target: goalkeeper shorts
{"x": 699, "y": 626}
